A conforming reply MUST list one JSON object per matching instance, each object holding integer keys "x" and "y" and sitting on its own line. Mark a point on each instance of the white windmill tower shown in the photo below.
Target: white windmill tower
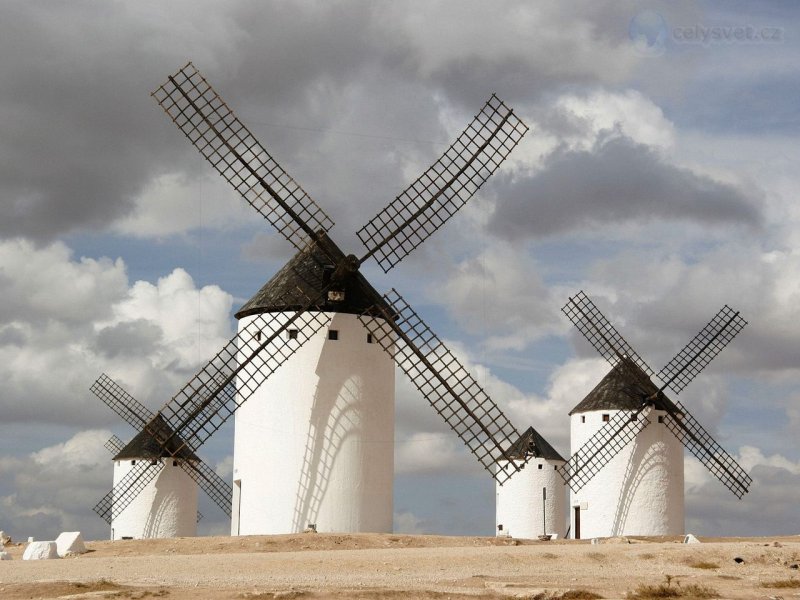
{"x": 166, "y": 505}
{"x": 533, "y": 502}
{"x": 320, "y": 413}
{"x": 314, "y": 444}
{"x": 627, "y": 437}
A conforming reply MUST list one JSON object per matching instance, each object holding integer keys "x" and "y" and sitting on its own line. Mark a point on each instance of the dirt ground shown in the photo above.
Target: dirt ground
{"x": 386, "y": 566}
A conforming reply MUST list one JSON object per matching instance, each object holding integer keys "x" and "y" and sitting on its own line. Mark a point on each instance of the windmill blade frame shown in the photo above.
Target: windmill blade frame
{"x": 121, "y": 495}
{"x": 114, "y": 445}
{"x": 436, "y": 195}
{"x": 599, "y": 332}
{"x": 702, "y": 349}
{"x": 446, "y": 385}
{"x": 114, "y": 396}
{"x": 708, "y": 451}
{"x": 212, "y": 484}
{"x": 229, "y": 146}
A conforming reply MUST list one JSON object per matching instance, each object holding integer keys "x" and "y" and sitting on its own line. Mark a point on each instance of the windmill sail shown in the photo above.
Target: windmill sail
{"x": 700, "y": 443}
{"x": 203, "y": 117}
{"x": 446, "y": 385}
{"x": 704, "y": 347}
{"x": 599, "y": 331}
{"x": 445, "y": 187}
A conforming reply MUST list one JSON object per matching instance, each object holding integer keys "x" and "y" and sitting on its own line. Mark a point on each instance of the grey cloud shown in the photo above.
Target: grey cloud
{"x": 132, "y": 338}
{"x": 80, "y": 138}
{"x": 618, "y": 181}
{"x": 11, "y": 335}
{"x": 713, "y": 510}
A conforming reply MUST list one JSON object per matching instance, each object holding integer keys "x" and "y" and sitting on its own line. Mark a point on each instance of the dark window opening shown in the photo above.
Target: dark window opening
{"x": 369, "y": 338}
{"x": 583, "y": 418}
{"x": 293, "y": 334}
{"x": 133, "y": 462}
{"x": 258, "y": 335}
{"x": 541, "y": 466}
{"x": 333, "y": 334}
{"x": 635, "y": 417}
{"x": 500, "y": 527}
{"x": 555, "y": 467}
{"x": 154, "y": 461}
{"x": 605, "y": 418}
{"x": 174, "y": 463}
{"x": 661, "y": 419}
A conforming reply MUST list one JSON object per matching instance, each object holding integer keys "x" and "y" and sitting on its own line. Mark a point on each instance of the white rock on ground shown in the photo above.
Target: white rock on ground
{"x": 690, "y": 539}
{"x": 70, "y": 543}
{"x": 5, "y": 556}
{"x": 40, "y": 551}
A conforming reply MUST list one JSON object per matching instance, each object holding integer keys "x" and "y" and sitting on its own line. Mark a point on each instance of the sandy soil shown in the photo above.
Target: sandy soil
{"x": 394, "y": 566}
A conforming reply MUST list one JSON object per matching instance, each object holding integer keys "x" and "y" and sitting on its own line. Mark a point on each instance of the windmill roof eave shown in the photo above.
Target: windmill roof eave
{"x": 623, "y": 388}
{"x": 146, "y": 447}
{"x": 303, "y": 278}
{"x": 531, "y": 443}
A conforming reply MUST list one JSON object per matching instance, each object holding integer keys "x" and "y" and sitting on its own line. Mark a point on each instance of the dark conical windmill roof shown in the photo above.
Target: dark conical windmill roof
{"x": 531, "y": 443}
{"x": 145, "y": 446}
{"x": 623, "y": 388}
{"x": 304, "y": 277}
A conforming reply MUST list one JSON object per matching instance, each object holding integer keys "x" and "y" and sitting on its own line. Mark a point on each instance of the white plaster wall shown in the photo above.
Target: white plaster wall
{"x": 639, "y": 491}
{"x": 519, "y": 505}
{"x": 166, "y": 507}
{"x": 315, "y": 443}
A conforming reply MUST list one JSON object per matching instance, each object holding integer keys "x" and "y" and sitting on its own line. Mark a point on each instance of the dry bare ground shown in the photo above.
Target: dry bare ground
{"x": 400, "y": 566}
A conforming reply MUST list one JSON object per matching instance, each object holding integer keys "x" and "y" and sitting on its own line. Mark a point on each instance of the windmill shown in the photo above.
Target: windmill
{"x": 533, "y": 502}
{"x": 321, "y": 279}
{"x": 626, "y": 475}
{"x": 167, "y": 505}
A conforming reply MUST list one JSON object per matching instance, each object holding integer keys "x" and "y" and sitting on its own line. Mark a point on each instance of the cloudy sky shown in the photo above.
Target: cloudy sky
{"x": 659, "y": 176}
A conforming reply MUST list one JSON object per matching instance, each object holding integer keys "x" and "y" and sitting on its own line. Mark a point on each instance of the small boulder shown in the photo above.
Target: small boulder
{"x": 70, "y": 543}
{"x": 5, "y": 540}
{"x": 690, "y": 539}
{"x": 40, "y": 551}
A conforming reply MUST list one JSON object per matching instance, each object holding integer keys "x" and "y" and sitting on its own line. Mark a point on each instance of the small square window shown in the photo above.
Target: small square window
{"x": 293, "y": 334}
{"x": 174, "y": 463}
{"x": 541, "y": 466}
{"x": 369, "y": 338}
{"x": 583, "y": 418}
{"x": 661, "y": 419}
{"x": 154, "y": 461}
{"x": 133, "y": 462}
{"x": 333, "y": 334}
{"x": 605, "y": 418}
{"x": 555, "y": 467}
{"x": 258, "y": 335}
